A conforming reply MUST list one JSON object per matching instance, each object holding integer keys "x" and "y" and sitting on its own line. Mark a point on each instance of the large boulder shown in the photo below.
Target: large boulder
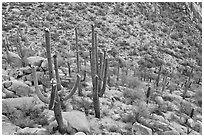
{"x": 35, "y": 60}
{"x": 73, "y": 119}
{"x": 18, "y": 87}
{"x": 14, "y": 59}
{"x": 9, "y": 128}
{"x": 14, "y": 105}
{"x": 32, "y": 131}
{"x": 139, "y": 129}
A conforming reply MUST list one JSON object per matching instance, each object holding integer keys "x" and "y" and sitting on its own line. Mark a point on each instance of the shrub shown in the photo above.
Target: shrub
{"x": 134, "y": 94}
{"x": 141, "y": 110}
{"x": 131, "y": 82}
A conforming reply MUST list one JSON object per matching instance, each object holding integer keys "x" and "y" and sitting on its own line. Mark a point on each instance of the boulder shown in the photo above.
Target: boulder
{"x": 14, "y": 59}
{"x": 9, "y": 128}
{"x": 80, "y": 133}
{"x": 75, "y": 119}
{"x": 18, "y": 87}
{"x": 139, "y": 129}
{"x": 171, "y": 132}
{"x": 116, "y": 117}
{"x": 159, "y": 100}
{"x": 179, "y": 128}
{"x": 11, "y": 105}
{"x": 35, "y": 60}
{"x": 32, "y": 131}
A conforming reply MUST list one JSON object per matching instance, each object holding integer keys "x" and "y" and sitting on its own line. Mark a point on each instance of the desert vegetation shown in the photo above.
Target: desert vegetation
{"x": 101, "y": 68}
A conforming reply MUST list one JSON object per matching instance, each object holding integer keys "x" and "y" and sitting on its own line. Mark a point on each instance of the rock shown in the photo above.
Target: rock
{"x": 75, "y": 119}
{"x": 26, "y": 70}
{"x": 5, "y": 75}
{"x": 5, "y": 119}
{"x": 172, "y": 97}
{"x": 179, "y": 128}
{"x": 35, "y": 60}
{"x": 109, "y": 124}
{"x": 190, "y": 122}
{"x": 171, "y": 106}
{"x": 19, "y": 87}
{"x": 157, "y": 117}
{"x": 171, "y": 116}
{"x": 80, "y": 133}
{"x": 32, "y": 131}
{"x": 116, "y": 117}
{"x": 11, "y": 105}
{"x": 8, "y": 93}
{"x": 190, "y": 94}
{"x": 198, "y": 127}
{"x": 192, "y": 132}
{"x": 159, "y": 100}
{"x": 160, "y": 125}
{"x": 139, "y": 129}
{"x": 9, "y": 128}
{"x": 16, "y": 11}
{"x": 171, "y": 132}
{"x": 14, "y": 59}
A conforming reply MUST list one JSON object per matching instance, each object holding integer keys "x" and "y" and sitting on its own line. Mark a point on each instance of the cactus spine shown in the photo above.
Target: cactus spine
{"x": 99, "y": 71}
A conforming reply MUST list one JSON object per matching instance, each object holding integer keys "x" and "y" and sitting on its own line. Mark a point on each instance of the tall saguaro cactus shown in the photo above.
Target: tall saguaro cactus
{"x": 55, "y": 99}
{"x": 98, "y": 73}
{"x": 93, "y": 75}
{"x": 78, "y": 63}
{"x": 49, "y": 59}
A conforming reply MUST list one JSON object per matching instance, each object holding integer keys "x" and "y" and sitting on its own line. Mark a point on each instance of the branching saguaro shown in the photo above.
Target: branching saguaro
{"x": 99, "y": 70}
{"x": 56, "y": 97}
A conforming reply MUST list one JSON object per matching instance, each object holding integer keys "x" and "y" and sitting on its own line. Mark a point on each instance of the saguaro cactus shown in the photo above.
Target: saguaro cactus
{"x": 54, "y": 100}
{"x": 49, "y": 59}
{"x": 78, "y": 63}
{"x": 57, "y": 103}
{"x": 98, "y": 73}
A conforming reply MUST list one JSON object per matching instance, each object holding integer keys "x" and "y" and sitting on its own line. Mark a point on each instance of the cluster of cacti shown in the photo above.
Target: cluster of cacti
{"x": 99, "y": 69}
{"x": 56, "y": 98}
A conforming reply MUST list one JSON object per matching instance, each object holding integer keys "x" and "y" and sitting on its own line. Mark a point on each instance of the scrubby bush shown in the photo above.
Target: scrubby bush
{"x": 131, "y": 82}
{"x": 198, "y": 97}
{"x": 134, "y": 94}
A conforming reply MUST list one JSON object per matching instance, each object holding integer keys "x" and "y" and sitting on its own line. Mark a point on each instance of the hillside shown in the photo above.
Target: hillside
{"x": 154, "y": 76}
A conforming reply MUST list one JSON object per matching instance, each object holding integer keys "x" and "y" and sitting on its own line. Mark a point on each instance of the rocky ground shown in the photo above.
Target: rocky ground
{"x": 142, "y": 36}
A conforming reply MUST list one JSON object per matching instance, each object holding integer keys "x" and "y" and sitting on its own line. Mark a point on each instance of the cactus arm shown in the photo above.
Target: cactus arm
{"x": 100, "y": 72}
{"x": 104, "y": 78}
{"x": 77, "y": 49}
{"x": 52, "y": 98}
{"x": 74, "y": 88}
{"x": 39, "y": 94}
